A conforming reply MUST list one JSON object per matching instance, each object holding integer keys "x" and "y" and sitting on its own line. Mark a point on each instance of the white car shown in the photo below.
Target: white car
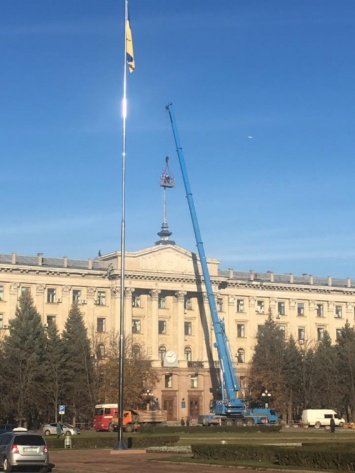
{"x": 67, "y": 429}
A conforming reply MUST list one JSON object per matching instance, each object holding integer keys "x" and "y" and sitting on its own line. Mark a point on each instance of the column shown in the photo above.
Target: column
{"x": 178, "y": 325}
{"x": 14, "y": 294}
{"x": 153, "y": 342}
{"x": 115, "y": 308}
{"x": 208, "y": 338}
{"x": 39, "y": 301}
{"x": 128, "y": 310}
{"x": 64, "y": 306}
{"x": 90, "y": 316}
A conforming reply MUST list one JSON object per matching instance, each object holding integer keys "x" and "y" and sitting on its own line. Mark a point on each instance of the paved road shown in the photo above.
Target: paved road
{"x": 103, "y": 461}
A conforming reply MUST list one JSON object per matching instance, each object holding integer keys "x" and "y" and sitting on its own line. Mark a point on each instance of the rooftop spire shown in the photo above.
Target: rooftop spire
{"x": 167, "y": 179}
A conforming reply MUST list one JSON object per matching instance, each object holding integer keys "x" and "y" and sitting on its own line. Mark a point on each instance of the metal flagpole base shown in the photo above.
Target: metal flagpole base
{"x": 120, "y": 445}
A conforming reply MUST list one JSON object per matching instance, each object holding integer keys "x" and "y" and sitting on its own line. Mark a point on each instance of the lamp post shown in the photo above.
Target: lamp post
{"x": 266, "y": 397}
{"x": 148, "y": 396}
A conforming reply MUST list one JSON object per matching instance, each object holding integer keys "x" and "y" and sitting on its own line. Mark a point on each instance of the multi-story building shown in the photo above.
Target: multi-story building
{"x": 166, "y": 310}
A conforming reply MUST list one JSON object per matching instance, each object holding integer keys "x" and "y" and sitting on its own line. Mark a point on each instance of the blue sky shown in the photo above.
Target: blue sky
{"x": 263, "y": 94}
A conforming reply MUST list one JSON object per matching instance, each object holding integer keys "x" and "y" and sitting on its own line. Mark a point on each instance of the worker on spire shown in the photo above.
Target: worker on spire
{"x": 167, "y": 179}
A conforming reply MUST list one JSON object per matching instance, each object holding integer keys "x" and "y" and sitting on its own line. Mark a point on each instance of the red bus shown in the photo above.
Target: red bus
{"x": 103, "y": 415}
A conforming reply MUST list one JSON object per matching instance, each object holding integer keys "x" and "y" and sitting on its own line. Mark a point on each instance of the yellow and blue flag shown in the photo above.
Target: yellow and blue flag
{"x": 129, "y": 47}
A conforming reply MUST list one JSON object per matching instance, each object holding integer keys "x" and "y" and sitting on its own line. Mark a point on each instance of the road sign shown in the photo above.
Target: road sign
{"x": 61, "y": 410}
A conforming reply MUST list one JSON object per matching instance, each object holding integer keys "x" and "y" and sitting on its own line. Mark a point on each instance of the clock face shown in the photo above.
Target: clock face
{"x": 170, "y": 356}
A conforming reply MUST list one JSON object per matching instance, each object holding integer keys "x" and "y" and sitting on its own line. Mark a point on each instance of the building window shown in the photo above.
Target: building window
{"x": 220, "y": 304}
{"x": 301, "y": 333}
{"x": 136, "y": 300}
{"x": 194, "y": 381}
{"x": 281, "y": 308}
{"x": 168, "y": 380}
{"x": 283, "y": 330}
{"x": 240, "y": 305}
{"x": 136, "y": 326}
{"x": 76, "y": 296}
{"x": 162, "y": 302}
{"x": 1, "y": 293}
{"x": 188, "y": 328}
{"x": 25, "y": 290}
{"x": 101, "y": 325}
{"x": 161, "y": 327}
{"x": 1, "y": 320}
{"x": 320, "y": 333}
{"x": 260, "y": 329}
{"x": 101, "y": 298}
{"x": 300, "y": 309}
{"x": 241, "y": 355}
{"x": 188, "y": 353}
{"x": 101, "y": 352}
{"x": 319, "y": 310}
{"x": 338, "y": 311}
{"x": 51, "y": 320}
{"x": 240, "y": 330}
{"x": 338, "y": 333}
{"x": 50, "y": 295}
{"x": 260, "y": 307}
{"x": 136, "y": 351}
{"x": 162, "y": 352}
{"x": 187, "y": 303}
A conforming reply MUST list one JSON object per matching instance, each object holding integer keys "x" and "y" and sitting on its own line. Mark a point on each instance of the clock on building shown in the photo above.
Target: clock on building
{"x": 170, "y": 358}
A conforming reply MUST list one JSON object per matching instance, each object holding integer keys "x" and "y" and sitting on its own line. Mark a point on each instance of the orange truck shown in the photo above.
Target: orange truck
{"x": 132, "y": 419}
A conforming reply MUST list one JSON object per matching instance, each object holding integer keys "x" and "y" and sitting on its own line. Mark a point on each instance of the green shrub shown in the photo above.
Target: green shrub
{"x": 217, "y": 429}
{"x": 234, "y": 452}
{"x": 320, "y": 459}
{"x": 316, "y": 456}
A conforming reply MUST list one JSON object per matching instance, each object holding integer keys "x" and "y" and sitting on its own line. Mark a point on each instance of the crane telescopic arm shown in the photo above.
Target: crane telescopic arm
{"x": 230, "y": 380}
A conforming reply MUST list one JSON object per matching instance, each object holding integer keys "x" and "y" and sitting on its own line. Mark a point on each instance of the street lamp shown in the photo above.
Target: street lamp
{"x": 147, "y": 396}
{"x": 266, "y": 397}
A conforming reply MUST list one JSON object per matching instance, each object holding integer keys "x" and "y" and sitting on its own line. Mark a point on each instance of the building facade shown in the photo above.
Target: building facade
{"x": 167, "y": 312}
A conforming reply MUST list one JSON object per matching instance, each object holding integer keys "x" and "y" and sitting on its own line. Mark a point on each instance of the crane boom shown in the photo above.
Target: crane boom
{"x": 230, "y": 407}
{"x": 230, "y": 380}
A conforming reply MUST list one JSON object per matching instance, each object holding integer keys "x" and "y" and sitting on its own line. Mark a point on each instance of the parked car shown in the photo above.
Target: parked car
{"x": 24, "y": 449}
{"x": 67, "y": 429}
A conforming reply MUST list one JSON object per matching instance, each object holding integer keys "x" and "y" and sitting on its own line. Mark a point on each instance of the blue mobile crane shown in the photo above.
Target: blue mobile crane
{"x": 229, "y": 409}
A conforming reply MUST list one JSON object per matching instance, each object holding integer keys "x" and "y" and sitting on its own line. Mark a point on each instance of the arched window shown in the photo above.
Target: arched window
{"x": 136, "y": 352}
{"x": 241, "y": 355}
{"x": 101, "y": 352}
{"x": 188, "y": 353}
{"x": 162, "y": 351}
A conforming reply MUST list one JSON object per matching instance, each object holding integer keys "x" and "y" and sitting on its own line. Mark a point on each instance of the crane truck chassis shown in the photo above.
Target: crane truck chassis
{"x": 230, "y": 409}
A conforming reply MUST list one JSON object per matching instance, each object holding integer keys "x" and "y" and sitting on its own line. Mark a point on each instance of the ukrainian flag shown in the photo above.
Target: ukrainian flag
{"x": 129, "y": 47}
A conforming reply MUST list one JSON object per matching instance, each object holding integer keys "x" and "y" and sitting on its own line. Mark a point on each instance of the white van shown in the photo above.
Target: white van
{"x": 320, "y": 417}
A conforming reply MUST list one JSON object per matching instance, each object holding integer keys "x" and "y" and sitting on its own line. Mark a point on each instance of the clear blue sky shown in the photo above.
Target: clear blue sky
{"x": 263, "y": 93}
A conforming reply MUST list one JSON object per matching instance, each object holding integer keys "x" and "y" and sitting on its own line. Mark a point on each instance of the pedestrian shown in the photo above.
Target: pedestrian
{"x": 187, "y": 421}
{"x": 182, "y": 421}
{"x": 59, "y": 430}
{"x": 332, "y": 425}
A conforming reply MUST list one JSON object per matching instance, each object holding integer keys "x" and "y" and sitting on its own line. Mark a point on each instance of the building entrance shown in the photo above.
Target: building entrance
{"x": 168, "y": 406}
{"x": 194, "y": 407}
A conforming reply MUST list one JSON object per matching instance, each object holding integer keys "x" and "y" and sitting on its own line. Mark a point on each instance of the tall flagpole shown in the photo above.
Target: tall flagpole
{"x": 120, "y": 445}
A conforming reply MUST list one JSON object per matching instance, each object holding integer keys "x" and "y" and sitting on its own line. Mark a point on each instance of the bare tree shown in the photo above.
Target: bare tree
{"x": 139, "y": 377}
